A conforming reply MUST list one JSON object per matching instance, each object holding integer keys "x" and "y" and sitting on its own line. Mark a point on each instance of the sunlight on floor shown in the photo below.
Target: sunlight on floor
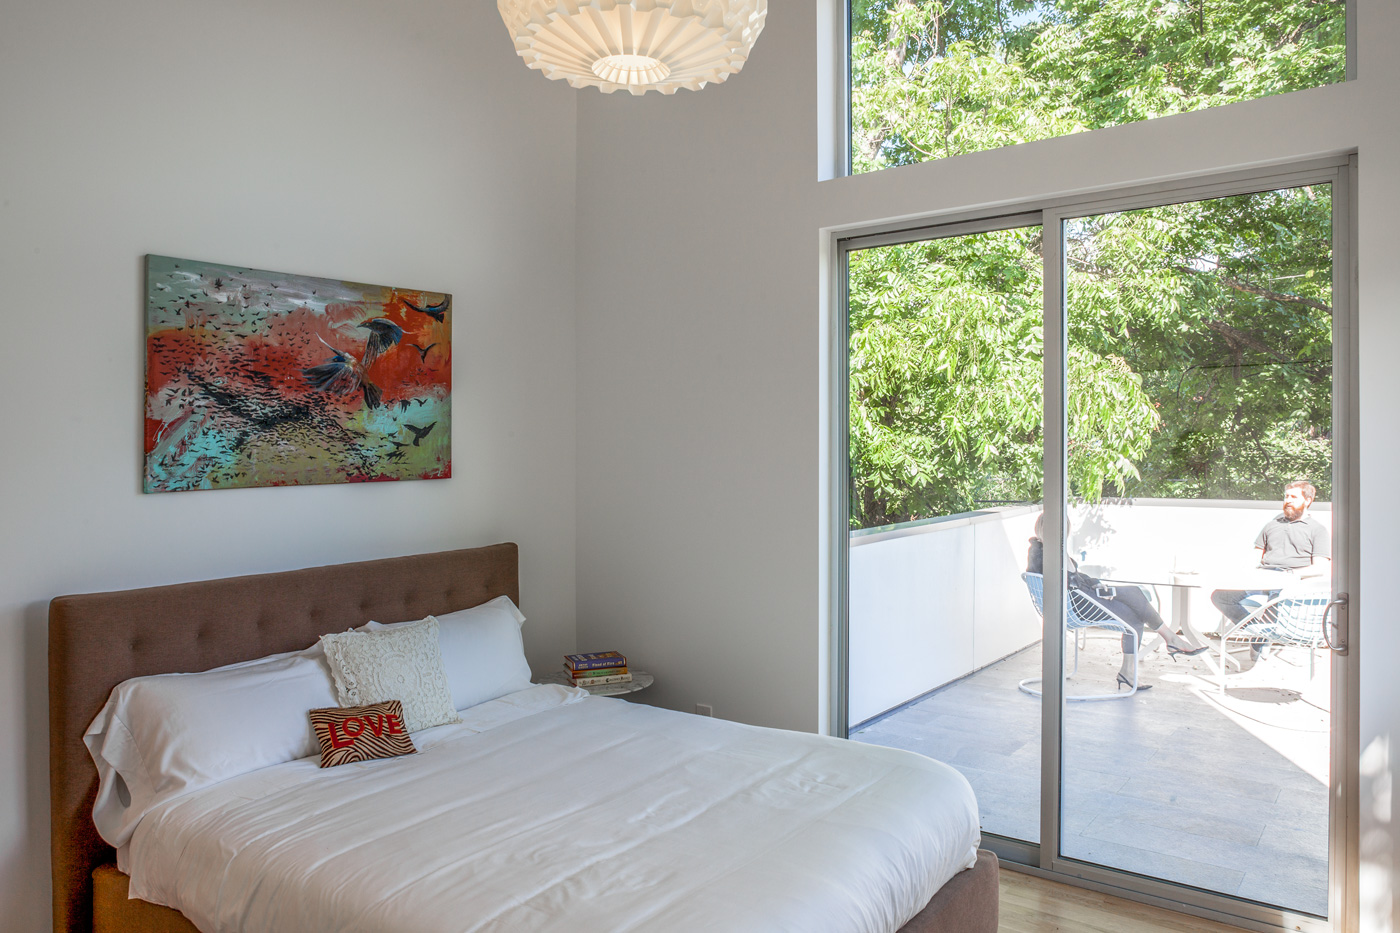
{"x": 1275, "y": 702}
{"x": 1222, "y": 792}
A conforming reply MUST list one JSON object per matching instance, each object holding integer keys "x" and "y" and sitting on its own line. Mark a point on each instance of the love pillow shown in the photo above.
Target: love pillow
{"x": 361, "y": 733}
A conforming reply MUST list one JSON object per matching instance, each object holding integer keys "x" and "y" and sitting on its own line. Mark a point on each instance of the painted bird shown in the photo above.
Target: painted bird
{"x": 419, "y": 433}
{"x": 342, "y": 374}
{"x": 437, "y": 312}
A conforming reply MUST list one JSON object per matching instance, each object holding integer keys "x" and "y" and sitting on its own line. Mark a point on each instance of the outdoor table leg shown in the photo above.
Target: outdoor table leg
{"x": 1181, "y": 615}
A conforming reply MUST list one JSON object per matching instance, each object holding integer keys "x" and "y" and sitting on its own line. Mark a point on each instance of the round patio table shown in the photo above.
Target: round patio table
{"x": 1182, "y": 582}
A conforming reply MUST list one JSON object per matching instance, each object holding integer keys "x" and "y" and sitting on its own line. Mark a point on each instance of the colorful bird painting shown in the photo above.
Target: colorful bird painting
{"x": 257, "y": 378}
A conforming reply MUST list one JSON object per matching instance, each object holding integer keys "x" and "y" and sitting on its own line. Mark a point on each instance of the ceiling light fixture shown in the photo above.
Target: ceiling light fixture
{"x": 639, "y": 46}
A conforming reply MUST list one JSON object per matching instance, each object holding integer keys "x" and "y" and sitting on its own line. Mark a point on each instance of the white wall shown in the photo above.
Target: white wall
{"x": 700, "y": 334}
{"x": 1198, "y": 535}
{"x": 911, "y": 617}
{"x": 1137, "y": 539}
{"x": 402, "y": 144}
{"x": 934, "y": 601}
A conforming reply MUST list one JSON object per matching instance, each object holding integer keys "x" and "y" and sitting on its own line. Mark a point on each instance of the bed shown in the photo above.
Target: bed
{"x": 97, "y": 641}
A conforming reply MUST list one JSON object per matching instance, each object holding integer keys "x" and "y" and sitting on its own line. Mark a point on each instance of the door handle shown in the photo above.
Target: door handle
{"x": 1337, "y": 645}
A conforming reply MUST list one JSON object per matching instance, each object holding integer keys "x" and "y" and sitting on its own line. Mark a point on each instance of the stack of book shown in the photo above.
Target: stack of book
{"x": 597, "y": 669}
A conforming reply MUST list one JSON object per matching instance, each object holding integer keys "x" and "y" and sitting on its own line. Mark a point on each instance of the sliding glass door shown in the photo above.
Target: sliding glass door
{"x": 1213, "y": 321}
{"x": 946, "y": 375}
{"x": 1097, "y": 465}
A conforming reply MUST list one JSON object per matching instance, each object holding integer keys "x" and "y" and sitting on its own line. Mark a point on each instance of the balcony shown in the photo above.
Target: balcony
{"x": 1225, "y": 791}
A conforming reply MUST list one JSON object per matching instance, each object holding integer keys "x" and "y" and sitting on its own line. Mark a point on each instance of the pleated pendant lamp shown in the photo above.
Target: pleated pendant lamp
{"x": 638, "y": 46}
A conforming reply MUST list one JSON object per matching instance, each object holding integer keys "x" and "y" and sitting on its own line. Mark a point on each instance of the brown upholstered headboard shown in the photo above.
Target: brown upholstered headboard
{"x": 100, "y": 639}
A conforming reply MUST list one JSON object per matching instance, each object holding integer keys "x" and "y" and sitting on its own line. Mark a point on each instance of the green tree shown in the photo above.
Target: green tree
{"x": 936, "y": 78}
{"x": 1224, "y": 308}
{"x": 931, "y": 80}
{"x": 946, "y": 378}
{"x": 1199, "y": 334}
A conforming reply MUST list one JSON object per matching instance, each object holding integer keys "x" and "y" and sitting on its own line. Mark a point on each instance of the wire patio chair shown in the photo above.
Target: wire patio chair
{"x": 1084, "y": 612}
{"x": 1293, "y": 618}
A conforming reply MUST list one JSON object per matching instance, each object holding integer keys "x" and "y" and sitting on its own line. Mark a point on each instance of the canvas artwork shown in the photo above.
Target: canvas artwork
{"x": 260, "y": 378}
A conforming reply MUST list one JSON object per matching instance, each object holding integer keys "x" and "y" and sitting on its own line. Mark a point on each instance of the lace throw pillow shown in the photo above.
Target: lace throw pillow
{"x": 402, "y": 663}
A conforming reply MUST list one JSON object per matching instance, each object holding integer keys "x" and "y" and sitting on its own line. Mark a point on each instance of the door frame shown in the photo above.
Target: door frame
{"x": 1044, "y": 858}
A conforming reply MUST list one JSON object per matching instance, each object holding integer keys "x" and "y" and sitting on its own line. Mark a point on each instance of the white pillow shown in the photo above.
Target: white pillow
{"x": 482, "y": 651}
{"x": 168, "y": 734}
{"x": 401, "y": 663}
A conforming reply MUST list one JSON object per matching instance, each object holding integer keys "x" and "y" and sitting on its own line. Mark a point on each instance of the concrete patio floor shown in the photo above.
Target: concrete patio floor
{"x": 1226, "y": 793}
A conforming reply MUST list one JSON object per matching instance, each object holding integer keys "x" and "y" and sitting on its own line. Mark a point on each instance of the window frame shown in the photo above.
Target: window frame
{"x": 1044, "y": 858}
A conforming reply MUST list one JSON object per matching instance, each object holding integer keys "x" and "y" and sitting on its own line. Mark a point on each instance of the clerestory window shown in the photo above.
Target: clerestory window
{"x": 937, "y": 78}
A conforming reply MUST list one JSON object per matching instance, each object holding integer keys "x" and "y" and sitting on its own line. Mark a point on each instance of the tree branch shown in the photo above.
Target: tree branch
{"x": 1238, "y": 339}
{"x": 1262, "y": 292}
{"x": 1276, "y": 296}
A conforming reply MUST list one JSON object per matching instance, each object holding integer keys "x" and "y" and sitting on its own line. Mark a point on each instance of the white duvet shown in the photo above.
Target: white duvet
{"x": 549, "y": 810}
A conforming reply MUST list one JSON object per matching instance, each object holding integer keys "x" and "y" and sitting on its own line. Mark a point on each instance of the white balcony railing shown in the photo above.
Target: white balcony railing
{"x": 935, "y": 600}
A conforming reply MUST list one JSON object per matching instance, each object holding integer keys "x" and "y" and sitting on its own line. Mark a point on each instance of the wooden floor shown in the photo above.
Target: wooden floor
{"x": 1034, "y": 905}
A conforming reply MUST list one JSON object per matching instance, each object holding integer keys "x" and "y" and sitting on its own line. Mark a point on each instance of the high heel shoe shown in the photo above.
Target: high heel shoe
{"x": 1129, "y": 684}
{"x": 1173, "y": 651}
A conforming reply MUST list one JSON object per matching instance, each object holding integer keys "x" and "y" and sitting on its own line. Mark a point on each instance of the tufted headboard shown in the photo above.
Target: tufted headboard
{"x": 98, "y": 640}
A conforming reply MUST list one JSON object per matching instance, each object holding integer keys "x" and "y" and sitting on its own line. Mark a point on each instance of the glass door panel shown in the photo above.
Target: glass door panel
{"x": 945, "y": 444}
{"x": 1200, "y": 449}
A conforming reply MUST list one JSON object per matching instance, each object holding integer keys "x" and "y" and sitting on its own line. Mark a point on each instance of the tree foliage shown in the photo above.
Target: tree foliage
{"x": 936, "y": 78}
{"x": 946, "y": 382}
{"x": 1199, "y": 342}
{"x": 1224, "y": 308}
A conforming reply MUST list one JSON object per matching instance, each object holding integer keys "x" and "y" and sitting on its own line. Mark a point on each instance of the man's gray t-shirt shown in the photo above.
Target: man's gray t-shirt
{"x": 1292, "y": 545}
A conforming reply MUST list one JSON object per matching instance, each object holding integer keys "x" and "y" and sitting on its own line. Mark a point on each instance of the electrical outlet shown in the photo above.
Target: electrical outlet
{"x": 704, "y": 709}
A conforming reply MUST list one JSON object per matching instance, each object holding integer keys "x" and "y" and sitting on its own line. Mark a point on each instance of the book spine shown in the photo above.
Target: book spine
{"x": 578, "y": 663}
{"x": 600, "y": 672}
{"x": 601, "y": 681}
{"x": 593, "y": 656}
{"x": 605, "y": 679}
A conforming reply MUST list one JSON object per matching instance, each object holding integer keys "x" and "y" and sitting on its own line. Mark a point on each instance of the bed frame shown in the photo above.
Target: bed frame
{"x": 98, "y": 640}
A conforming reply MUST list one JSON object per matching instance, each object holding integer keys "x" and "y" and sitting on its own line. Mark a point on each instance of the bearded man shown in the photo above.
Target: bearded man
{"x": 1292, "y": 542}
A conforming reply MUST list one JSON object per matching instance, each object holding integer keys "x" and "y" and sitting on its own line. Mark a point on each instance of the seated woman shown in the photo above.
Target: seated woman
{"x": 1127, "y": 602}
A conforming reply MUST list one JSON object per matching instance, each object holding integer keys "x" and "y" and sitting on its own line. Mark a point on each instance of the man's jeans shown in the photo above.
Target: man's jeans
{"x": 1237, "y": 604}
